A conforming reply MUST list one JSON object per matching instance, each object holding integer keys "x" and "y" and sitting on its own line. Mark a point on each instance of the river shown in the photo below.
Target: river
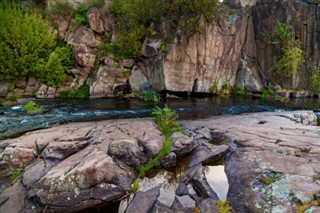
{"x": 16, "y": 121}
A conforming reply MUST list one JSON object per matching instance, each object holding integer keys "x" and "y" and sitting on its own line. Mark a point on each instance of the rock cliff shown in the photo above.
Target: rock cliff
{"x": 231, "y": 50}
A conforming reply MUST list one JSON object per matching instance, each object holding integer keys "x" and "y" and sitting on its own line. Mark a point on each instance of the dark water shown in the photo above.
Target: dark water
{"x": 16, "y": 121}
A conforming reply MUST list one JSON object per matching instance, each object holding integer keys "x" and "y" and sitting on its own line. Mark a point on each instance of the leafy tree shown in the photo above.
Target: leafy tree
{"x": 25, "y": 41}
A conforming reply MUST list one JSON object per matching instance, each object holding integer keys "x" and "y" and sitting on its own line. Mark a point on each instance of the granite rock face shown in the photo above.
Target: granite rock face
{"x": 275, "y": 163}
{"x": 271, "y": 160}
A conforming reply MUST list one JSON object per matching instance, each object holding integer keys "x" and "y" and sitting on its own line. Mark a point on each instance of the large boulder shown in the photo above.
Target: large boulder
{"x": 69, "y": 166}
{"x": 95, "y": 20}
{"x": 109, "y": 81}
{"x": 84, "y": 55}
{"x": 4, "y": 88}
{"x": 81, "y": 36}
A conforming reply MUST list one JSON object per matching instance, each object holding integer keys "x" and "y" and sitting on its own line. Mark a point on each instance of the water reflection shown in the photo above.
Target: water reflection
{"x": 217, "y": 180}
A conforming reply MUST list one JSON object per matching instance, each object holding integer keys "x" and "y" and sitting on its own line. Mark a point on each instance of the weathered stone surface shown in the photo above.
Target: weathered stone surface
{"x": 107, "y": 17}
{"x": 137, "y": 79}
{"x": 199, "y": 181}
{"x": 4, "y": 88}
{"x": 84, "y": 55}
{"x": 144, "y": 202}
{"x": 208, "y": 205}
{"x": 305, "y": 31}
{"x": 129, "y": 151}
{"x": 249, "y": 77}
{"x": 206, "y": 153}
{"x": 182, "y": 144}
{"x": 195, "y": 64}
{"x": 13, "y": 199}
{"x": 275, "y": 162}
{"x": 21, "y": 84}
{"x": 95, "y": 20}
{"x": 69, "y": 166}
{"x": 170, "y": 160}
{"x": 82, "y": 35}
{"x": 42, "y": 91}
{"x": 109, "y": 81}
{"x": 128, "y": 63}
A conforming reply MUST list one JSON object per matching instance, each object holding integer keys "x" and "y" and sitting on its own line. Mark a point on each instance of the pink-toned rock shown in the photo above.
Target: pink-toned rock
{"x": 95, "y": 20}
{"x": 82, "y": 35}
{"x": 84, "y": 55}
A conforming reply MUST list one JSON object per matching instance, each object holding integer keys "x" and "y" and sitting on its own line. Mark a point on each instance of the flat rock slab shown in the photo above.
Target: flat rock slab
{"x": 77, "y": 165}
{"x": 274, "y": 165}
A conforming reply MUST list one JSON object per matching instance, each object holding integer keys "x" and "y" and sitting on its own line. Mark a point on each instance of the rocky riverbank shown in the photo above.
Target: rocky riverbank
{"x": 271, "y": 160}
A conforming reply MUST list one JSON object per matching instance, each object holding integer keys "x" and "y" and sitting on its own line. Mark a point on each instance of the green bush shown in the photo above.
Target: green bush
{"x": 53, "y": 71}
{"x": 315, "y": 71}
{"x": 166, "y": 120}
{"x": 25, "y": 42}
{"x": 82, "y": 92}
{"x": 267, "y": 92}
{"x": 151, "y": 95}
{"x": 32, "y": 106}
{"x": 292, "y": 55}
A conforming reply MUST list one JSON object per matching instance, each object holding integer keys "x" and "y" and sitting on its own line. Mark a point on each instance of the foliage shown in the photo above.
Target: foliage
{"x": 137, "y": 19}
{"x": 157, "y": 159}
{"x": 14, "y": 175}
{"x": 226, "y": 88}
{"x": 151, "y": 95}
{"x": 53, "y": 71}
{"x": 315, "y": 71}
{"x": 166, "y": 120}
{"x": 63, "y": 8}
{"x": 25, "y": 42}
{"x": 82, "y": 92}
{"x": 292, "y": 54}
{"x": 224, "y": 207}
{"x": 267, "y": 92}
{"x": 135, "y": 186}
{"x": 13, "y": 97}
{"x": 305, "y": 206}
{"x": 32, "y": 106}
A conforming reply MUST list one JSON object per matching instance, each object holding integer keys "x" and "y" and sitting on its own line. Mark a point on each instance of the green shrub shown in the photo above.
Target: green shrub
{"x": 14, "y": 175}
{"x": 267, "y": 92}
{"x": 135, "y": 186}
{"x": 82, "y": 92}
{"x": 156, "y": 161}
{"x": 166, "y": 120}
{"x": 151, "y": 95}
{"x": 53, "y": 71}
{"x": 32, "y": 106}
{"x": 224, "y": 207}
{"x": 13, "y": 97}
{"x": 25, "y": 42}
{"x": 315, "y": 71}
{"x": 292, "y": 55}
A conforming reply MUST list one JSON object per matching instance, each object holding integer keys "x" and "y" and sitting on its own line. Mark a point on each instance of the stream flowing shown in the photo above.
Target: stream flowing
{"x": 15, "y": 120}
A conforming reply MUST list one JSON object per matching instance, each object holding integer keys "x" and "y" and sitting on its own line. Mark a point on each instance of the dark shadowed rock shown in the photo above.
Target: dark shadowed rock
{"x": 128, "y": 151}
{"x": 199, "y": 181}
{"x": 182, "y": 144}
{"x": 206, "y": 153}
{"x": 144, "y": 202}
{"x": 208, "y": 205}
{"x": 170, "y": 160}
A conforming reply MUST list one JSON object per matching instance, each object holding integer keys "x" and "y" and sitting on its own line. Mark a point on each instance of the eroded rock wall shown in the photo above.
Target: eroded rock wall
{"x": 302, "y": 18}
